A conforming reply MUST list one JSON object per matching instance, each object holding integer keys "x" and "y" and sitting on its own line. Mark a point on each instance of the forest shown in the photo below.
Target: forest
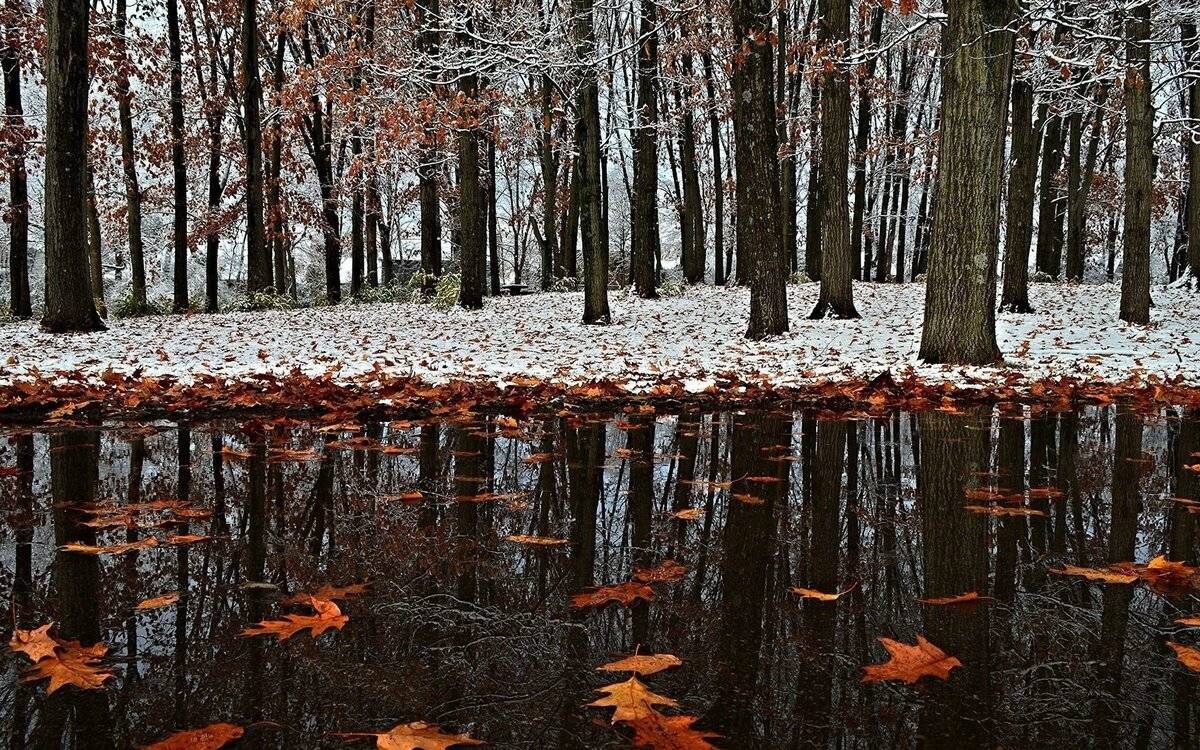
{"x": 375, "y": 151}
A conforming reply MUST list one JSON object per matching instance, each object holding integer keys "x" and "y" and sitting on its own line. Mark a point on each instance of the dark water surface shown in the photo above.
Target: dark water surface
{"x": 467, "y": 629}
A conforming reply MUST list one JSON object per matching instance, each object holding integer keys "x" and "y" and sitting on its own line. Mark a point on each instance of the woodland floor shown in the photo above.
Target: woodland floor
{"x": 693, "y": 341}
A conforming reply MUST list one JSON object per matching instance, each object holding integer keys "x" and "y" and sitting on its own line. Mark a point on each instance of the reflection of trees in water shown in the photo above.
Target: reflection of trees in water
{"x": 473, "y": 632}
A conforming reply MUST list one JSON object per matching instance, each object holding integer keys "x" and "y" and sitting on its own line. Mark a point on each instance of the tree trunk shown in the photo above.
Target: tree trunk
{"x": 1077, "y": 196}
{"x": 551, "y": 267}
{"x": 133, "y": 191}
{"x": 471, "y": 220}
{"x": 714, "y": 135}
{"x": 1139, "y": 167}
{"x": 644, "y": 237}
{"x": 69, "y": 303}
{"x": 1192, "y": 53}
{"x": 258, "y": 261}
{"x": 592, "y": 223}
{"x": 862, "y": 135}
{"x": 95, "y": 247}
{"x": 212, "y": 273}
{"x": 320, "y": 136}
{"x": 20, "y": 305}
{"x": 693, "y": 204}
{"x": 493, "y": 226}
{"x": 836, "y": 299}
{"x": 960, "y": 298}
{"x": 276, "y": 234}
{"x": 1049, "y": 196}
{"x": 1021, "y": 180}
{"x": 812, "y": 207}
{"x": 178, "y": 161}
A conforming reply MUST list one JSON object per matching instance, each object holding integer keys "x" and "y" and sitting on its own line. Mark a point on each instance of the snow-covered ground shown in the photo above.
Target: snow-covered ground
{"x": 1075, "y": 332}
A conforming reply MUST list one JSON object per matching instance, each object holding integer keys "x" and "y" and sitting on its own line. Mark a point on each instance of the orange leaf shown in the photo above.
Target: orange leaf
{"x": 642, "y": 664}
{"x": 71, "y": 664}
{"x": 1188, "y": 655}
{"x": 211, "y": 737}
{"x": 536, "y": 541}
{"x": 37, "y": 644}
{"x": 112, "y": 549}
{"x": 970, "y": 597}
{"x": 1092, "y": 574}
{"x": 622, "y": 593}
{"x": 689, "y": 514}
{"x": 417, "y": 735}
{"x": 910, "y": 663}
{"x": 159, "y": 601}
{"x": 328, "y": 617}
{"x": 821, "y": 595}
{"x": 667, "y": 571}
{"x": 631, "y": 699}
{"x": 669, "y": 733}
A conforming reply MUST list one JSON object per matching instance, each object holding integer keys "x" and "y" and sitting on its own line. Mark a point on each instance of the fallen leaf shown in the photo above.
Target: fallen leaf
{"x": 71, "y": 664}
{"x": 327, "y": 617}
{"x": 211, "y": 737}
{"x": 661, "y": 732}
{"x": 970, "y": 597}
{"x": 821, "y": 595}
{"x": 418, "y": 735}
{"x": 112, "y": 549}
{"x": 910, "y": 663}
{"x": 1000, "y": 510}
{"x": 1093, "y": 574}
{"x": 159, "y": 601}
{"x": 631, "y": 699}
{"x": 622, "y": 593}
{"x": 1186, "y": 654}
{"x": 667, "y": 571}
{"x": 37, "y": 644}
{"x": 642, "y": 664}
{"x": 536, "y": 541}
{"x": 689, "y": 514}
{"x": 329, "y": 593}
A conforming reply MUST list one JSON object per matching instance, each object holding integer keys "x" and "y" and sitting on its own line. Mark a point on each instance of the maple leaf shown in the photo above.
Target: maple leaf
{"x": 631, "y": 699}
{"x": 661, "y": 732}
{"x": 328, "y": 616}
{"x": 418, "y": 735}
{"x": 211, "y": 737}
{"x": 667, "y": 571}
{"x": 71, "y": 664}
{"x": 910, "y": 663}
{"x": 970, "y": 597}
{"x": 1186, "y": 654}
{"x": 159, "y": 601}
{"x": 536, "y": 541}
{"x": 622, "y": 593}
{"x": 821, "y": 595}
{"x": 642, "y": 664}
{"x": 1093, "y": 574}
{"x": 37, "y": 644}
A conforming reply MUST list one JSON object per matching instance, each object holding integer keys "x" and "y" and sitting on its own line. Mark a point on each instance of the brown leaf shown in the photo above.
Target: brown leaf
{"x": 211, "y": 737}
{"x": 1186, "y": 654}
{"x": 536, "y": 541}
{"x": 622, "y": 593}
{"x": 689, "y": 514}
{"x": 417, "y": 735}
{"x": 631, "y": 699}
{"x": 327, "y": 617}
{"x": 71, "y": 664}
{"x": 821, "y": 595}
{"x": 159, "y": 601}
{"x": 660, "y": 732}
{"x": 329, "y": 593}
{"x": 910, "y": 663}
{"x": 37, "y": 644}
{"x": 1001, "y": 510}
{"x": 667, "y": 571}
{"x": 112, "y": 549}
{"x": 1093, "y": 574}
{"x": 642, "y": 664}
{"x": 970, "y": 597}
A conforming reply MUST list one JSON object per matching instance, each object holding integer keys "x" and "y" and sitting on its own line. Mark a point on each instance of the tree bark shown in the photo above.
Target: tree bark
{"x": 133, "y": 191}
{"x": 178, "y": 162}
{"x": 1139, "y": 167}
{"x": 1021, "y": 181}
{"x": 69, "y": 303}
{"x": 862, "y": 135}
{"x": 714, "y": 135}
{"x": 644, "y": 238}
{"x": 1077, "y": 196}
{"x": 1191, "y": 45}
{"x": 19, "y": 303}
{"x": 471, "y": 219}
{"x": 1049, "y": 197}
{"x": 836, "y": 299}
{"x": 95, "y": 247}
{"x": 692, "y": 229}
{"x": 258, "y": 261}
{"x": 759, "y": 224}
{"x": 320, "y": 141}
{"x": 551, "y": 267}
{"x": 812, "y": 207}
{"x": 960, "y": 298}
{"x": 592, "y": 223}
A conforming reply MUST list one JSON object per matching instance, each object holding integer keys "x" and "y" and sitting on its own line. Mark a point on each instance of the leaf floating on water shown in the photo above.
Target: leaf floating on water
{"x": 821, "y": 595}
{"x": 37, "y": 644}
{"x": 622, "y": 593}
{"x": 1191, "y": 622}
{"x": 910, "y": 663}
{"x": 1045, "y": 493}
{"x": 418, "y": 735}
{"x": 631, "y": 699}
{"x": 689, "y": 514}
{"x": 642, "y": 664}
{"x": 112, "y": 549}
{"x": 328, "y": 616}
{"x": 667, "y": 571}
{"x": 71, "y": 664}
{"x": 1168, "y": 577}
{"x": 1094, "y": 574}
{"x": 536, "y": 541}
{"x": 1186, "y": 654}
{"x": 970, "y": 597}
{"x": 179, "y": 539}
{"x": 211, "y": 737}
{"x": 1000, "y": 510}
{"x": 661, "y": 732}
{"x": 159, "y": 601}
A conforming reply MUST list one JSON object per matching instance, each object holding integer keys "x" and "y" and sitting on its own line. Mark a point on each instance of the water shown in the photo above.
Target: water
{"x": 464, "y": 628}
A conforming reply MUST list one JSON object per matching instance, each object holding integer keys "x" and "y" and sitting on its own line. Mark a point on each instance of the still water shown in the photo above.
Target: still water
{"x": 461, "y": 626}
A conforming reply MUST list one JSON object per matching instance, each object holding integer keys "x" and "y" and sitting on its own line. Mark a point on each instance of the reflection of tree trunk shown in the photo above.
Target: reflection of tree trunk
{"x": 814, "y": 696}
{"x": 183, "y": 492}
{"x": 955, "y": 560}
{"x": 1126, "y": 504}
{"x": 746, "y": 553}
{"x": 22, "y": 587}
{"x": 641, "y": 506}
{"x": 1187, "y": 486}
{"x": 255, "y": 571}
{"x": 468, "y": 483}
{"x": 688, "y": 431}
{"x": 74, "y": 473}
{"x": 1010, "y": 457}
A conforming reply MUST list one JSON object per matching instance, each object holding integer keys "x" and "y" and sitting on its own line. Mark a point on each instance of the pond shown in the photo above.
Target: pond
{"x": 444, "y": 564}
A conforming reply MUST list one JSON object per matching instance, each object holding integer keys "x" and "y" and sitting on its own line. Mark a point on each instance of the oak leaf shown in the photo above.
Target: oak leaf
{"x": 910, "y": 663}
{"x": 211, "y": 737}
{"x": 689, "y": 514}
{"x": 621, "y": 593}
{"x": 536, "y": 541}
{"x": 111, "y": 549}
{"x": 1093, "y": 574}
{"x": 667, "y": 571}
{"x": 631, "y": 699}
{"x": 660, "y": 732}
{"x": 71, "y": 664}
{"x": 37, "y": 644}
{"x": 329, "y": 593}
{"x": 821, "y": 595}
{"x": 328, "y": 616}
{"x": 418, "y": 735}
{"x": 970, "y": 597}
{"x": 159, "y": 601}
{"x": 1186, "y": 654}
{"x": 642, "y": 664}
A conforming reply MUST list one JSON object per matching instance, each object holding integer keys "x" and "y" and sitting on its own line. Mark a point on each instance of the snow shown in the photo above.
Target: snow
{"x": 690, "y": 340}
